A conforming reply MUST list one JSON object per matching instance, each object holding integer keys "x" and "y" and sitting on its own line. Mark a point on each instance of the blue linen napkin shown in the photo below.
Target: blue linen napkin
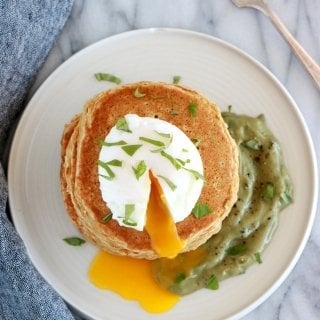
{"x": 28, "y": 29}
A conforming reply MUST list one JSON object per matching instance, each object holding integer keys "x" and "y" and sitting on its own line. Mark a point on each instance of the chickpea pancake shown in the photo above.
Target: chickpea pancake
{"x": 171, "y": 103}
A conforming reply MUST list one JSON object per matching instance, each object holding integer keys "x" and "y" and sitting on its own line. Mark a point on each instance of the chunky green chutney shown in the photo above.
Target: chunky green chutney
{"x": 265, "y": 189}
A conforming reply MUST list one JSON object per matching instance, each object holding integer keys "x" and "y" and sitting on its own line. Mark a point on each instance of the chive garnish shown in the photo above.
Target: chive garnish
{"x": 152, "y": 141}
{"x": 130, "y": 222}
{"x": 157, "y": 150}
{"x": 106, "y": 218}
{"x": 184, "y": 150}
{"x": 140, "y": 169}
{"x": 105, "y": 166}
{"x": 165, "y": 135}
{"x": 174, "y": 162}
{"x": 213, "y": 283}
{"x": 183, "y": 162}
{"x": 111, "y": 144}
{"x": 174, "y": 112}
{"x": 192, "y": 109}
{"x": 107, "y": 77}
{"x": 196, "y": 142}
{"x": 195, "y": 173}
{"x": 258, "y": 257}
{"x": 138, "y": 94}
{"x": 114, "y": 162}
{"x": 269, "y": 191}
{"x": 179, "y": 278}
{"x": 176, "y": 79}
{"x": 107, "y": 177}
{"x": 200, "y": 210}
{"x": 123, "y": 125}
{"x": 252, "y": 144}
{"x": 74, "y": 241}
{"x": 131, "y": 148}
{"x": 129, "y": 208}
{"x": 171, "y": 185}
{"x": 237, "y": 249}
{"x": 286, "y": 198}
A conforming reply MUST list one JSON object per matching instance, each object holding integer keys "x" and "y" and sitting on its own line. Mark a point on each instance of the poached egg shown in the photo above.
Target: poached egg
{"x": 151, "y": 176}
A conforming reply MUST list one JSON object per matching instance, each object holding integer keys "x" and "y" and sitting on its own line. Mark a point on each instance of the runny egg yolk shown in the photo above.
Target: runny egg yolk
{"x": 160, "y": 225}
{"x": 132, "y": 279}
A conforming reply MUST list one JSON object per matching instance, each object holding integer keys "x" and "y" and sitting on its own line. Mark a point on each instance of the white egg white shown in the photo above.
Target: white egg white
{"x": 125, "y": 189}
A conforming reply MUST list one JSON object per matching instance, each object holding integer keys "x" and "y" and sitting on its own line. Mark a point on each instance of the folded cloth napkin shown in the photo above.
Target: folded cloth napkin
{"x": 28, "y": 29}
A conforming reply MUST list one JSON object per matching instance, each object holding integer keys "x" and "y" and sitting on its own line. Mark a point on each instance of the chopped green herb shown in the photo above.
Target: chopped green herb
{"x": 184, "y": 150}
{"x": 269, "y": 191}
{"x": 237, "y": 249}
{"x": 105, "y": 166}
{"x": 138, "y": 94}
{"x": 107, "y": 77}
{"x": 179, "y": 278}
{"x": 176, "y": 79}
{"x": 286, "y": 198}
{"x": 106, "y": 218}
{"x": 111, "y": 144}
{"x": 213, "y": 283}
{"x": 192, "y": 109}
{"x": 258, "y": 257}
{"x": 74, "y": 241}
{"x": 183, "y": 162}
{"x": 131, "y": 148}
{"x": 174, "y": 162}
{"x": 115, "y": 163}
{"x": 165, "y": 135}
{"x": 252, "y": 144}
{"x": 140, "y": 169}
{"x": 152, "y": 141}
{"x": 200, "y": 210}
{"x": 195, "y": 173}
{"x": 157, "y": 150}
{"x": 130, "y": 222}
{"x": 169, "y": 183}
{"x": 123, "y": 125}
{"x": 129, "y": 208}
{"x": 196, "y": 142}
{"x": 229, "y": 108}
{"x": 107, "y": 177}
{"x": 174, "y": 112}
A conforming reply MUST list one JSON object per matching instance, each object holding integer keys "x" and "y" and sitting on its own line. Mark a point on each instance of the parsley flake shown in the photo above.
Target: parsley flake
{"x": 131, "y": 149}
{"x": 192, "y": 109}
{"x": 200, "y": 210}
{"x": 123, "y": 125}
{"x": 107, "y": 77}
{"x": 140, "y": 169}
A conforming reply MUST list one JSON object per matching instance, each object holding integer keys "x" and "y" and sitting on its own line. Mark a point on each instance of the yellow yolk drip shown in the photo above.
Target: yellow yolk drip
{"x": 132, "y": 279}
{"x": 160, "y": 225}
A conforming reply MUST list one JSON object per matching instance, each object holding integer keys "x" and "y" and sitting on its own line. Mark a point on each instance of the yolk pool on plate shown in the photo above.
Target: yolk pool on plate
{"x": 132, "y": 279}
{"x": 160, "y": 225}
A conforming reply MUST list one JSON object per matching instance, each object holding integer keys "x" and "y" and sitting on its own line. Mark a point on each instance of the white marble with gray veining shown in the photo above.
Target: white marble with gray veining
{"x": 91, "y": 20}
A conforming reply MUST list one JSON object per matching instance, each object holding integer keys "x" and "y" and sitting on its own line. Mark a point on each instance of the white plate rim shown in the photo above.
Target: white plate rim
{"x": 137, "y": 33}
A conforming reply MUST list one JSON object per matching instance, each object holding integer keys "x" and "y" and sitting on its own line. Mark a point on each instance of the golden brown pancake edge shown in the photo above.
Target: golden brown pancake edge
{"x": 80, "y": 151}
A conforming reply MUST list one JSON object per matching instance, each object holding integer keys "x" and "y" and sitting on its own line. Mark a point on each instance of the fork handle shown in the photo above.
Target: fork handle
{"x": 312, "y": 67}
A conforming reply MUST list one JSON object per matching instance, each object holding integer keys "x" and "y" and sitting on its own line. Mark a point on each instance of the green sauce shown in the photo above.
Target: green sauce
{"x": 265, "y": 189}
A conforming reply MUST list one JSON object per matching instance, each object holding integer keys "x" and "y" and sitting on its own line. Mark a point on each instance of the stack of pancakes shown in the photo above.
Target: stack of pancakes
{"x": 80, "y": 150}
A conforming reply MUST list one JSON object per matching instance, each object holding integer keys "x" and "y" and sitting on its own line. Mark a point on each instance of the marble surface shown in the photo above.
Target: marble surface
{"x": 299, "y": 295}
